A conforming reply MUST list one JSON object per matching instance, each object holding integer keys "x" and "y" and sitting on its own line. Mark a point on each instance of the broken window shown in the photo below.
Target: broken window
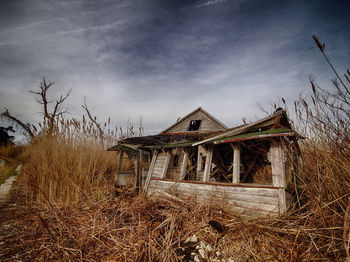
{"x": 194, "y": 125}
{"x": 221, "y": 170}
{"x": 173, "y": 170}
{"x": 191, "y": 165}
{"x": 255, "y": 165}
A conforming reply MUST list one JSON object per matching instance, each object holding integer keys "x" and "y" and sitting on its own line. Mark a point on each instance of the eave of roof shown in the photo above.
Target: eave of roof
{"x": 123, "y": 147}
{"x": 185, "y": 144}
{"x": 159, "y": 141}
{"x": 256, "y": 135}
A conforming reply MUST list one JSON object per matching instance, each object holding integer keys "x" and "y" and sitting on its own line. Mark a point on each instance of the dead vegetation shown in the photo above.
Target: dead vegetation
{"x": 67, "y": 171}
{"x": 73, "y": 213}
{"x": 135, "y": 228}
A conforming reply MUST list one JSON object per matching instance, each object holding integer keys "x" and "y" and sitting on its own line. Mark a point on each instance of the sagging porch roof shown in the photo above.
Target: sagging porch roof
{"x": 159, "y": 141}
{"x": 275, "y": 125}
{"x": 275, "y": 121}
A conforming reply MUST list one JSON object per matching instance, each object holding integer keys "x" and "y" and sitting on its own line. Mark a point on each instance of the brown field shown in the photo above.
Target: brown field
{"x": 65, "y": 206}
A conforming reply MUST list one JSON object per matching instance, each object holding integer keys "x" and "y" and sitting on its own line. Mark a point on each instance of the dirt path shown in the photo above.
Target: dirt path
{"x": 6, "y": 186}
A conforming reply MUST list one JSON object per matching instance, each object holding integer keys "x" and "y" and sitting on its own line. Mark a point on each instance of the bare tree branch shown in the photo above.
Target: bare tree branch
{"x": 57, "y": 111}
{"x": 18, "y": 122}
{"x": 93, "y": 120}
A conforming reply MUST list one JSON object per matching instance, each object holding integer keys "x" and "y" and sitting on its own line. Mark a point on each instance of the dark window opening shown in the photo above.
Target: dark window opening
{"x": 191, "y": 165}
{"x": 194, "y": 125}
{"x": 222, "y": 164}
{"x": 174, "y": 165}
{"x": 255, "y": 165}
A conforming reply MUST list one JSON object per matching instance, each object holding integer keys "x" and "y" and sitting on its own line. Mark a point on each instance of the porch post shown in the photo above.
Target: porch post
{"x": 208, "y": 163}
{"x": 236, "y": 164}
{"x": 150, "y": 170}
{"x": 183, "y": 165}
{"x": 277, "y": 165}
{"x": 138, "y": 168}
{"x": 120, "y": 161}
{"x": 166, "y": 164}
{"x": 278, "y": 174}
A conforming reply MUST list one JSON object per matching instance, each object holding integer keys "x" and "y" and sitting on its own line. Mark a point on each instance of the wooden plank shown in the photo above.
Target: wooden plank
{"x": 156, "y": 173}
{"x": 208, "y": 163}
{"x": 120, "y": 161}
{"x": 241, "y": 204}
{"x": 277, "y": 165}
{"x": 234, "y": 196}
{"x": 166, "y": 165}
{"x": 223, "y": 201}
{"x": 138, "y": 175}
{"x": 245, "y": 196}
{"x": 264, "y": 201}
{"x": 282, "y": 201}
{"x": 200, "y": 153}
{"x": 268, "y": 192}
{"x": 183, "y": 165}
{"x": 214, "y": 183}
{"x": 160, "y": 162}
{"x": 150, "y": 171}
{"x": 236, "y": 164}
{"x": 159, "y": 165}
{"x": 236, "y": 190}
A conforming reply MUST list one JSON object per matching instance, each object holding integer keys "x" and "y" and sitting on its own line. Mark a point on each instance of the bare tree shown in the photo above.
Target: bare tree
{"x": 50, "y": 118}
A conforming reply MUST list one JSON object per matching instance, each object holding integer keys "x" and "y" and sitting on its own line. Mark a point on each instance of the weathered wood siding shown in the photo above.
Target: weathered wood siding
{"x": 174, "y": 171}
{"x": 244, "y": 200}
{"x": 207, "y": 124}
{"x": 159, "y": 165}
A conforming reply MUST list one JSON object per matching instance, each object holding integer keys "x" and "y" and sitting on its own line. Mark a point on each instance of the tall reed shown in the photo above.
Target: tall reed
{"x": 69, "y": 165}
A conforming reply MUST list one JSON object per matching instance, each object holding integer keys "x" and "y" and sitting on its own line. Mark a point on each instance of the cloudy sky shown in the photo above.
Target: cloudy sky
{"x": 161, "y": 59}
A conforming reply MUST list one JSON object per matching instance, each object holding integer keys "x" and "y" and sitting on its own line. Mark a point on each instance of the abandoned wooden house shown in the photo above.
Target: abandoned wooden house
{"x": 246, "y": 169}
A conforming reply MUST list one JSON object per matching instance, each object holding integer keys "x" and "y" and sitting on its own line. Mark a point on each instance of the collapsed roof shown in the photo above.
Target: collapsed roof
{"x": 274, "y": 125}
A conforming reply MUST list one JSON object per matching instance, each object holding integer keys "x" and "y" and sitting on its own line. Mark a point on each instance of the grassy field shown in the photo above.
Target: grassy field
{"x": 65, "y": 206}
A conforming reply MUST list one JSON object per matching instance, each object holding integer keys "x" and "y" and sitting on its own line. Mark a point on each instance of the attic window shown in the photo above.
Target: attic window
{"x": 194, "y": 125}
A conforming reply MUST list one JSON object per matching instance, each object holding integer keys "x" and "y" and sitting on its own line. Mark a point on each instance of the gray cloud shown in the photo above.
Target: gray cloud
{"x": 162, "y": 59}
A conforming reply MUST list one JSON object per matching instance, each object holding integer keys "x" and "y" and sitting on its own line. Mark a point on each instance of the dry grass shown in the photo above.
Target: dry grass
{"x": 135, "y": 228}
{"x": 66, "y": 171}
{"x": 73, "y": 213}
{"x": 11, "y": 151}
